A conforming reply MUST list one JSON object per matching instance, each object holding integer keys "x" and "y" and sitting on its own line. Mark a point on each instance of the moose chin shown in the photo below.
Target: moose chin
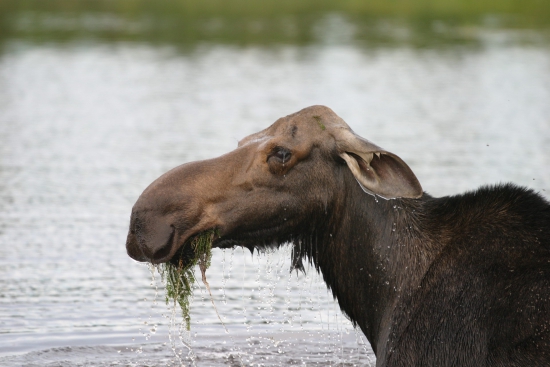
{"x": 453, "y": 281}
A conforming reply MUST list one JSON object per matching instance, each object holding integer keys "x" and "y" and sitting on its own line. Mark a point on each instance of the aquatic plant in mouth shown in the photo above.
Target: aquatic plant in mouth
{"x": 179, "y": 278}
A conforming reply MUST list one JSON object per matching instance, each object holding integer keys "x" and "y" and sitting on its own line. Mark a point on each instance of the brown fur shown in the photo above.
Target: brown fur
{"x": 452, "y": 281}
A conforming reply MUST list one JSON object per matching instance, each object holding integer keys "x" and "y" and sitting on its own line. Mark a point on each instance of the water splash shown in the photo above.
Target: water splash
{"x": 272, "y": 313}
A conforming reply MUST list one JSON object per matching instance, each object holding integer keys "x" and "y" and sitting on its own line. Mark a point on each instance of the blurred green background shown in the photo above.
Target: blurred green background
{"x": 184, "y": 23}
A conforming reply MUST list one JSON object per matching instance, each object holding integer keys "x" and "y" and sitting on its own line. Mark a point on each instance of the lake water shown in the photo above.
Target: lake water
{"x": 85, "y": 127}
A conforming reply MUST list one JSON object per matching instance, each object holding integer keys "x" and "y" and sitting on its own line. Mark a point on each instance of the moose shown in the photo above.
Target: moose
{"x": 460, "y": 280}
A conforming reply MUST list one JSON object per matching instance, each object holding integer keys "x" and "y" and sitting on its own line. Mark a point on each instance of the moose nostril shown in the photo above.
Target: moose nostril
{"x": 137, "y": 225}
{"x": 165, "y": 250}
{"x": 152, "y": 233}
{"x": 132, "y": 248}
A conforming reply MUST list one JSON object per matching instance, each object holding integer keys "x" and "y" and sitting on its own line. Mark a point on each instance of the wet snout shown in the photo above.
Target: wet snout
{"x": 173, "y": 208}
{"x": 150, "y": 237}
{"x": 158, "y": 219}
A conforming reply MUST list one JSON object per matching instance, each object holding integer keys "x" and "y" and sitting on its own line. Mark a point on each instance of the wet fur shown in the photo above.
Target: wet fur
{"x": 453, "y": 281}
{"x": 481, "y": 298}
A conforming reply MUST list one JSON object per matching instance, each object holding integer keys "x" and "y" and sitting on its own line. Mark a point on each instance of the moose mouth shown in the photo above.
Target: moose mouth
{"x": 187, "y": 252}
{"x": 177, "y": 247}
{"x": 258, "y": 239}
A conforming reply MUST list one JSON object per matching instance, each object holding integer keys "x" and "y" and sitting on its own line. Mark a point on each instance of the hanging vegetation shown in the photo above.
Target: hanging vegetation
{"x": 180, "y": 277}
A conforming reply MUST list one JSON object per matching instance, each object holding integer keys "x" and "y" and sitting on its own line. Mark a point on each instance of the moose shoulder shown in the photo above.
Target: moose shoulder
{"x": 453, "y": 281}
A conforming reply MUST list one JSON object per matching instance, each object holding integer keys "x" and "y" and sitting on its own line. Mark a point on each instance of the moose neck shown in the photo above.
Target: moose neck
{"x": 373, "y": 258}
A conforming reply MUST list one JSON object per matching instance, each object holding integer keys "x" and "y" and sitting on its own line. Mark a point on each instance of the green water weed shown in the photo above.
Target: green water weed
{"x": 179, "y": 279}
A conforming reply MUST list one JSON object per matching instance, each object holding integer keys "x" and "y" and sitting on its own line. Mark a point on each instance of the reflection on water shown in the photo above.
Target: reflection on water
{"x": 85, "y": 128}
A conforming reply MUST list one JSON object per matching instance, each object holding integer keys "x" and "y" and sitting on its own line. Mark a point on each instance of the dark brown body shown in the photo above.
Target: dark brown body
{"x": 453, "y": 281}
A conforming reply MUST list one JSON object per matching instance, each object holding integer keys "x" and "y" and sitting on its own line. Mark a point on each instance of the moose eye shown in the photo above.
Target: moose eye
{"x": 281, "y": 154}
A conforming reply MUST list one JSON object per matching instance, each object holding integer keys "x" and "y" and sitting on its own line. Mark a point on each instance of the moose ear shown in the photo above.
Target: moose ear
{"x": 377, "y": 171}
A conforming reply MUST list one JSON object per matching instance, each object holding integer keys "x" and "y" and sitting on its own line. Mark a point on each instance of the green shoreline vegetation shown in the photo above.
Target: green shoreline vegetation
{"x": 186, "y": 23}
